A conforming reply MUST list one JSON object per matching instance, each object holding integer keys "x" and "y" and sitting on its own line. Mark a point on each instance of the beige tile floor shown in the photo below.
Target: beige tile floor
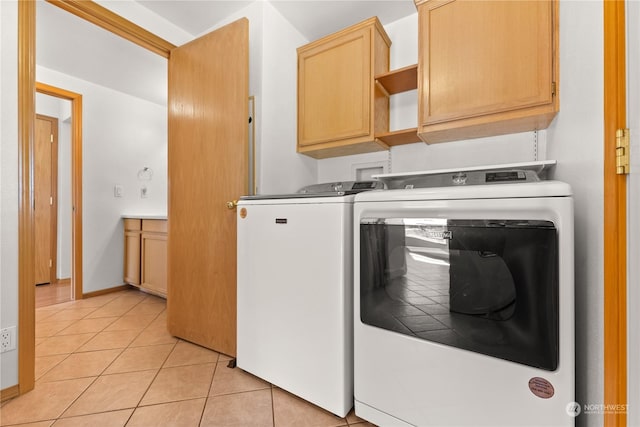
{"x": 109, "y": 361}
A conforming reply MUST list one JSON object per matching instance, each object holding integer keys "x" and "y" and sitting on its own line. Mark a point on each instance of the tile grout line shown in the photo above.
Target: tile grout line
{"x": 273, "y": 408}
{"x": 56, "y": 334}
{"x": 52, "y": 367}
{"x": 208, "y": 396}
{"x": 155, "y": 316}
{"x": 60, "y": 415}
{"x": 144, "y": 394}
{"x": 161, "y": 365}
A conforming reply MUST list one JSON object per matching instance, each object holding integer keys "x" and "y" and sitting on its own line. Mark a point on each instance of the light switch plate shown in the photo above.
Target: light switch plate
{"x": 117, "y": 190}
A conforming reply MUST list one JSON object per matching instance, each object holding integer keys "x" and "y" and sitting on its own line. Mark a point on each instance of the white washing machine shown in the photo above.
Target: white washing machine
{"x": 464, "y": 300}
{"x": 295, "y": 291}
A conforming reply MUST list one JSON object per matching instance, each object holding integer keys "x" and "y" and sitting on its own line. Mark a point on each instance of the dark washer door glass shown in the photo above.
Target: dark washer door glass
{"x": 487, "y": 286}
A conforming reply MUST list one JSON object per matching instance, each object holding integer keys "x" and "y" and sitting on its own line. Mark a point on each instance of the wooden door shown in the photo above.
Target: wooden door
{"x": 207, "y": 167}
{"x": 45, "y": 190}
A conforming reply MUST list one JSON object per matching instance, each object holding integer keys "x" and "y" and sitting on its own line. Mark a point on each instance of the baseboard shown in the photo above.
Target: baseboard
{"x": 9, "y": 392}
{"x": 106, "y": 291}
{"x": 65, "y": 281}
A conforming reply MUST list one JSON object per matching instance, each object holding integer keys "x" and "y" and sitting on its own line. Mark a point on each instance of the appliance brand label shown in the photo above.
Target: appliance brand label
{"x": 243, "y": 213}
{"x": 437, "y": 234}
{"x": 541, "y": 388}
{"x": 281, "y": 220}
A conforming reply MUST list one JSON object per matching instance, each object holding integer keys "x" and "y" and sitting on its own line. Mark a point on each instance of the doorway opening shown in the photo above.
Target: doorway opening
{"x": 67, "y": 198}
{"x": 52, "y": 198}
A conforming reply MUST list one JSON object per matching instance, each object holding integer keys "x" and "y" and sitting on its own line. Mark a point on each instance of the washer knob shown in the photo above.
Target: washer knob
{"x": 459, "y": 178}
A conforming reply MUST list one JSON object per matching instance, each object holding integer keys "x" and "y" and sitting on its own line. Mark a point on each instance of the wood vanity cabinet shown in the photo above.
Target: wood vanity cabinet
{"x": 486, "y": 67}
{"x": 153, "y": 267}
{"x": 340, "y": 107}
{"x": 132, "y": 229}
{"x": 145, "y": 255}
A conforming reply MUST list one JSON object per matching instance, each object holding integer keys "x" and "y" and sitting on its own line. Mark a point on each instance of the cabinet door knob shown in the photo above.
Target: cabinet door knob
{"x": 232, "y": 204}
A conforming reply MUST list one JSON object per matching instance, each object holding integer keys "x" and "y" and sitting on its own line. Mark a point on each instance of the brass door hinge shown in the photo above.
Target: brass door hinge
{"x": 553, "y": 88}
{"x": 622, "y": 151}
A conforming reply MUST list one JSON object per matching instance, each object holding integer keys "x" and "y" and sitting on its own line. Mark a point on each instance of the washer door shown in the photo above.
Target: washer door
{"x": 487, "y": 286}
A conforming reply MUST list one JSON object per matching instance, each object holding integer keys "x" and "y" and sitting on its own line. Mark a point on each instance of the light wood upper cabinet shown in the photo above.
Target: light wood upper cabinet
{"x": 486, "y": 67}
{"x": 340, "y": 108}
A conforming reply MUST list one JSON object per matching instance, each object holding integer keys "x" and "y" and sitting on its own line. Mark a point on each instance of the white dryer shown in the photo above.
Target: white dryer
{"x": 295, "y": 291}
{"x": 464, "y": 300}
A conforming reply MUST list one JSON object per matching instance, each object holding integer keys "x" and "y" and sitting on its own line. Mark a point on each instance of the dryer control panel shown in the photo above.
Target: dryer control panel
{"x": 472, "y": 175}
{"x": 452, "y": 179}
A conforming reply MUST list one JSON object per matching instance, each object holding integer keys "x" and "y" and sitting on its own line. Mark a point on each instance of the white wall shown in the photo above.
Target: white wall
{"x": 8, "y": 184}
{"x": 121, "y": 136}
{"x": 61, "y": 109}
{"x": 575, "y": 139}
{"x": 282, "y": 169}
{"x": 273, "y": 75}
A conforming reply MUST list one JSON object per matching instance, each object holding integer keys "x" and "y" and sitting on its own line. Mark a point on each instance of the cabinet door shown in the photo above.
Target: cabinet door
{"x": 154, "y": 262}
{"x": 132, "y": 257}
{"x": 485, "y": 57}
{"x": 334, "y": 89}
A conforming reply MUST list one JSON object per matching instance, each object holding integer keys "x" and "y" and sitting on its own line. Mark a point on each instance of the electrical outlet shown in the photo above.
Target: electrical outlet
{"x": 7, "y": 339}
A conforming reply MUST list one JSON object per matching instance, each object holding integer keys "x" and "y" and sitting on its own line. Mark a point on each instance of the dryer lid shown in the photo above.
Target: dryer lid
{"x": 327, "y": 189}
{"x": 474, "y": 175}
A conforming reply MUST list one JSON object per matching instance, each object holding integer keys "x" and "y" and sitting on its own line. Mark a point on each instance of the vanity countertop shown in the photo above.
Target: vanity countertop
{"x": 144, "y": 216}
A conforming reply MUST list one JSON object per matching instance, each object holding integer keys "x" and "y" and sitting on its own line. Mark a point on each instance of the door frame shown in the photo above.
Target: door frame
{"x": 633, "y": 218}
{"x": 116, "y": 24}
{"x": 27, "y": 88}
{"x": 26, "y": 214}
{"x": 615, "y": 211}
{"x": 76, "y": 181}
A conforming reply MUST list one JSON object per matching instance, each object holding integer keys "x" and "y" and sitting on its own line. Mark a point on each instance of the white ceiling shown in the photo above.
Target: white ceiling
{"x": 313, "y": 18}
{"x": 73, "y": 46}
{"x": 194, "y": 16}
